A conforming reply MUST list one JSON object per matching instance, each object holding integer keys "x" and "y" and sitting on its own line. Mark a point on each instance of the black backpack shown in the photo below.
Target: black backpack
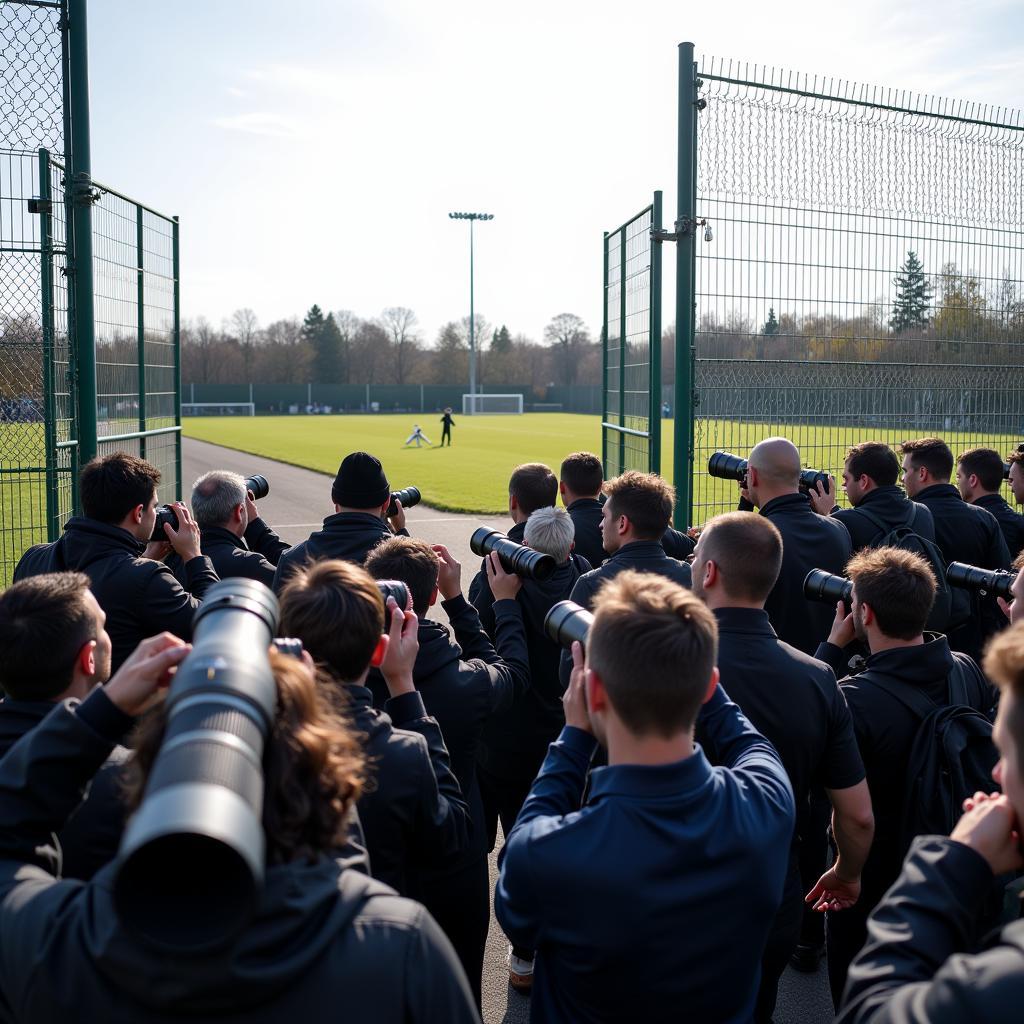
{"x": 950, "y": 609}
{"x": 951, "y": 758}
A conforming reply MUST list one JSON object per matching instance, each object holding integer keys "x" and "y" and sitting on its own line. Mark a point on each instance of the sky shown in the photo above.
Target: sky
{"x": 314, "y": 149}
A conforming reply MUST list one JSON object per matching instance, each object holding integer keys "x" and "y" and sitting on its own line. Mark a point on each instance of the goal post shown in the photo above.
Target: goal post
{"x": 218, "y": 408}
{"x": 482, "y": 405}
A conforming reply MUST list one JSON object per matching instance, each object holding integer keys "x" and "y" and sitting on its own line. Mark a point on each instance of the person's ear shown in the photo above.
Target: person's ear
{"x": 867, "y": 613}
{"x": 710, "y": 574}
{"x": 712, "y": 686}
{"x": 240, "y": 512}
{"x": 752, "y": 476}
{"x": 972, "y": 481}
{"x": 561, "y": 488}
{"x": 85, "y": 660}
{"x": 380, "y": 650}
{"x": 513, "y": 502}
{"x": 597, "y": 695}
{"x": 138, "y": 512}
{"x": 622, "y": 523}
{"x": 433, "y": 597}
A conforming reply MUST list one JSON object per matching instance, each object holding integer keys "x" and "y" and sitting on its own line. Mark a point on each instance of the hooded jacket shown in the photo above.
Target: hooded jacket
{"x": 350, "y": 536}
{"x": 890, "y": 505}
{"x": 321, "y": 935}
{"x": 589, "y": 541}
{"x": 1010, "y": 522}
{"x": 140, "y": 596}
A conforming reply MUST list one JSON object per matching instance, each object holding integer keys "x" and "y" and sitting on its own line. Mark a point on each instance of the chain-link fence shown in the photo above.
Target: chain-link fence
{"x": 864, "y": 276}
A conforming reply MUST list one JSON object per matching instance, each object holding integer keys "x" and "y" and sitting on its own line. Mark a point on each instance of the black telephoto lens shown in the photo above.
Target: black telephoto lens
{"x": 258, "y": 485}
{"x": 408, "y": 496}
{"x": 164, "y": 514}
{"x": 985, "y": 581}
{"x": 189, "y": 872}
{"x": 290, "y": 645}
{"x": 810, "y": 478}
{"x": 567, "y": 621}
{"x": 399, "y": 591}
{"x": 517, "y": 558}
{"x": 727, "y": 467}
{"x": 820, "y": 585}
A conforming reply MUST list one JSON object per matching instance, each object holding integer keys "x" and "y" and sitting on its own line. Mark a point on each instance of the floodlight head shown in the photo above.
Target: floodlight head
{"x": 471, "y": 216}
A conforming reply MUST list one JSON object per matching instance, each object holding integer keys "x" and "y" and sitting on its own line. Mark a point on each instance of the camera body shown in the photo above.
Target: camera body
{"x": 517, "y": 558}
{"x": 399, "y": 591}
{"x": 566, "y": 622}
{"x": 164, "y": 514}
{"x": 984, "y": 581}
{"x": 726, "y": 466}
{"x": 820, "y": 585}
{"x": 408, "y": 496}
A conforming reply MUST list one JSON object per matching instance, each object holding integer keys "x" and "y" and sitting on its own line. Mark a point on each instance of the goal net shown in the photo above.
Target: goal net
{"x": 479, "y": 405}
{"x": 218, "y": 409}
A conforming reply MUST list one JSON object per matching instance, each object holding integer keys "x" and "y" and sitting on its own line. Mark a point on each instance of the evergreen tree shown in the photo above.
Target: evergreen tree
{"x": 328, "y": 358}
{"x": 913, "y": 296}
{"x": 771, "y": 325}
{"x": 501, "y": 341}
{"x": 313, "y": 324}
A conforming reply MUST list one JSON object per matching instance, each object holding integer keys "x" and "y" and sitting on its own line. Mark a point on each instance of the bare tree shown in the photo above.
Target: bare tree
{"x": 369, "y": 352}
{"x": 450, "y": 359}
{"x": 567, "y": 335}
{"x": 246, "y": 330}
{"x": 400, "y": 325}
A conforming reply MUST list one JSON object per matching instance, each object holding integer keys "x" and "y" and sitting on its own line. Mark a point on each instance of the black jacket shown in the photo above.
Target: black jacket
{"x": 515, "y": 741}
{"x": 968, "y": 533}
{"x": 347, "y": 535}
{"x": 1010, "y": 522}
{"x": 140, "y": 596}
{"x": 412, "y": 811}
{"x": 92, "y": 834}
{"x": 890, "y": 505}
{"x": 885, "y": 730}
{"x": 586, "y": 517}
{"x": 322, "y": 935}
{"x": 254, "y": 555}
{"x": 809, "y": 541}
{"x": 919, "y": 965}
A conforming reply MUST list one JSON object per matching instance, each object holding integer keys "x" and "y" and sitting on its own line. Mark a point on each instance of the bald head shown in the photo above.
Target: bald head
{"x": 775, "y": 466}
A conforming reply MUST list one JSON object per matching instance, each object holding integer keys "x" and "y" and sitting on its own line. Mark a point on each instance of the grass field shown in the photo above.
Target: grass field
{"x": 472, "y": 475}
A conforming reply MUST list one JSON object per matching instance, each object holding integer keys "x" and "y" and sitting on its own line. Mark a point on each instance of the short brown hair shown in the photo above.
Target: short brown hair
{"x": 111, "y": 486}
{"x": 654, "y": 646}
{"x": 582, "y": 473}
{"x": 984, "y": 463}
{"x": 411, "y": 561}
{"x": 1017, "y": 455}
{"x": 898, "y": 585}
{"x": 336, "y": 610}
{"x": 1004, "y": 665}
{"x": 874, "y": 460}
{"x": 313, "y": 766}
{"x": 534, "y": 486}
{"x": 644, "y": 499}
{"x": 747, "y": 548}
{"x": 44, "y": 623}
{"x": 932, "y": 453}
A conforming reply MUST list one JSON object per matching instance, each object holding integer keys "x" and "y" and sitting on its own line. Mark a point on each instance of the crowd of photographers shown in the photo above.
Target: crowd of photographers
{"x": 794, "y": 732}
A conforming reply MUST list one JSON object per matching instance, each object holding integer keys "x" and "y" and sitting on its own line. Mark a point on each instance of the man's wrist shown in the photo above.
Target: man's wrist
{"x": 400, "y": 683}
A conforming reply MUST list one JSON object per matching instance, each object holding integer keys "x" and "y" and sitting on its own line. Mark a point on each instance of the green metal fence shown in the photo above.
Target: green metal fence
{"x": 631, "y": 342}
{"x": 858, "y": 268}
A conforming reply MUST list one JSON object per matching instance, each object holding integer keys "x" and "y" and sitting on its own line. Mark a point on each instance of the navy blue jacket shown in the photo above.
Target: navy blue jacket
{"x": 653, "y": 901}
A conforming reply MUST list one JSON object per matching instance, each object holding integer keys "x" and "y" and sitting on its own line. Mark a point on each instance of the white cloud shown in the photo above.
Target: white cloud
{"x": 259, "y": 123}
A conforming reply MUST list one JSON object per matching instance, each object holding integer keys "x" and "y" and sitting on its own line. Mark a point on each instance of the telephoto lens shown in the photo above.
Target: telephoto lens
{"x": 290, "y": 645}
{"x": 517, "y": 558}
{"x": 567, "y": 621}
{"x": 985, "y": 581}
{"x": 409, "y": 496}
{"x": 189, "y": 872}
{"x": 810, "y": 478}
{"x": 399, "y": 591}
{"x": 727, "y": 467}
{"x": 258, "y": 485}
{"x": 820, "y": 585}
{"x": 164, "y": 514}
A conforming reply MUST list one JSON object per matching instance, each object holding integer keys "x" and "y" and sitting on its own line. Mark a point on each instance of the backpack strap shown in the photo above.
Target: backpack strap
{"x": 909, "y": 696}
{"x": 957, "y": 685}
{"x": 882, "y": 527}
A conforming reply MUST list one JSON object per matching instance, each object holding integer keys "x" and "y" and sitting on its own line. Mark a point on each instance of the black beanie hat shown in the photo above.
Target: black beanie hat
{"x": 360, "y": 482}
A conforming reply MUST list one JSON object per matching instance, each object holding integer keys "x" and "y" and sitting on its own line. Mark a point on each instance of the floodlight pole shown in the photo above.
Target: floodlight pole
{"x": 472, "y": 312}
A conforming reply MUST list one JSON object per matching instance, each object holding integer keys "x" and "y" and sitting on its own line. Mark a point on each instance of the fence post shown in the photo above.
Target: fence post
{"x": 654, "y": 346}
{"x": 141, "y": 302}
{"x": 49, "y": 379}
{"x": 176, "y": 270}
{"x": 686, "y": 256}
{"x": 79, "y": 187}
{"x": 604, "y": 358}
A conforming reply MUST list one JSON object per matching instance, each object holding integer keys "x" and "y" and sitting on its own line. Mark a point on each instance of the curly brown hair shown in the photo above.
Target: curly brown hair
{"x": 313, "y": 766}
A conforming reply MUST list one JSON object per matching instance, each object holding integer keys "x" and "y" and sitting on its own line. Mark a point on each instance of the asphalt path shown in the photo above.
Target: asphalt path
{"x": 298, "y": 501}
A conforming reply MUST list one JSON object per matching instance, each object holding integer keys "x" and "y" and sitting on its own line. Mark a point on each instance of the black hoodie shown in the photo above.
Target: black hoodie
{"x": 890, "y": 505}
{"x": 322, "y": 936}
{"x": 140, "y": 596}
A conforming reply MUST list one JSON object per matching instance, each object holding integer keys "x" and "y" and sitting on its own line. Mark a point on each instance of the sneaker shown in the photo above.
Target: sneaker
{"x": 520, "y": 972}
{"x": 805, "y": 958}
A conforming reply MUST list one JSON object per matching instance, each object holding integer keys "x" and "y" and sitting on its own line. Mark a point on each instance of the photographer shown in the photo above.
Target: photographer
{"x": 462, "y": 684}
{"x": 654, "y": 898}
{"x": 794, "y": 702}
{"x": 893, "y": 592}
{"x": 979, "y": 477}
{"x": 361, "y": 495}
{"x": 1016, "y": 478}
{"x": 965, "y": 533}
{"x": 414, "y": 813}
{"x": 922, "y": 962}
{"x": 53, "y": 648}
{"x": 111, "y": 543}
{"x": 809, "y": 541}
{"x": 322, "y": 935}
{"x": 232, "y": 535}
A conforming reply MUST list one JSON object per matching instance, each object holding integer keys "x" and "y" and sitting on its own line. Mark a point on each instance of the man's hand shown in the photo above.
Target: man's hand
{"x": 147, "y": 671}
{"x": 158, "y": 550}
{"x": 574, "y": 700}
{"x": 397, "y": 521}
{"x": 1013, "y": 610}
{"x": 185, "y": 539}
{"x": 843, "y": 631}
{"x": 833, "y": 892}
{"x": 504, "y": 585}
{"x": 449, "y": 575}
{"x": 822, "y": 501}
{"x": 403, "y": 645}
{"x": 252, "y": 513}
{"x": 990, "y": 827}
